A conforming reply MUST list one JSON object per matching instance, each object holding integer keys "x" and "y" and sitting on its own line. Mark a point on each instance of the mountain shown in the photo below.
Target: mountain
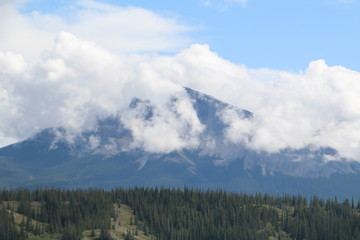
{"x": 105, "y": 156}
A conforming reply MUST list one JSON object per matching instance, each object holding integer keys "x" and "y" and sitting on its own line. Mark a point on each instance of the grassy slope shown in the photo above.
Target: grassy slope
{"x": 121, "y": 225}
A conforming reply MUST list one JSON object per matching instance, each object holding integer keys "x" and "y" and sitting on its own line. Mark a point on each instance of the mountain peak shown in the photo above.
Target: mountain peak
{"x": 107, "y": 155}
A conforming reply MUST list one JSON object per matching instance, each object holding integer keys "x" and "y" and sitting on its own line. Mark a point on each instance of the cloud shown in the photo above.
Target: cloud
{"x": 19, "y": 35}
{"x": 168, "y": 129}
{"x": 120, "y": 29}
{"x": 317, "y": 107}
{"x": 76, "y": 81}
{"x": 79, "y": 82}
{"x": 12, "y": 2}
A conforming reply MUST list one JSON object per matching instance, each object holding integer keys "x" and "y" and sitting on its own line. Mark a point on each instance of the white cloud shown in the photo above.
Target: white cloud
{"x": 174, "y": 124}
{"x": 120, "y": 29}
{"x": 318, "y": 107}
{"x": 19, "y": 35}
{"x": 240, "y": 129}
{"x": 12, "y": 2}
{"x": 11, "y": 63}
{"x": 77, "y": 81}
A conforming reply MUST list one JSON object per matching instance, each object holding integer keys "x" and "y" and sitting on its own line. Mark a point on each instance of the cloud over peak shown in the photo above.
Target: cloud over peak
{"x": 81, "y": 78}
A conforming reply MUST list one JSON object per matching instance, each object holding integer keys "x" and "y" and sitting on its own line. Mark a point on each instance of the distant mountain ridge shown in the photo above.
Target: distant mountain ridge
{"x": 104, "y": 157}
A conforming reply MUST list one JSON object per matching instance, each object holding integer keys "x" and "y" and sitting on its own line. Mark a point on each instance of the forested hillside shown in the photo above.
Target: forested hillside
{"x": 153, "y": 213}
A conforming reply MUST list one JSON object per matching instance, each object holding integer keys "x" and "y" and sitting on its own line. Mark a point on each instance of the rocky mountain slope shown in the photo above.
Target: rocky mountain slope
{"x": 105, "y": 156}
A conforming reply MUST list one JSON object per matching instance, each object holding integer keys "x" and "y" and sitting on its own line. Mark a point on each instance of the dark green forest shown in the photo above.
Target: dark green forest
{"x": 176, "y": 214}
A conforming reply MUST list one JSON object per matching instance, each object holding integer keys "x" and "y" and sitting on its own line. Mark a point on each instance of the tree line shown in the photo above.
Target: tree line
{"x": 177, "y": 214}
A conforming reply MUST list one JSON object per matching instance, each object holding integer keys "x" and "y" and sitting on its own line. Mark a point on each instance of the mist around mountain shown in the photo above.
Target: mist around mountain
{"x": 115, "y": 153}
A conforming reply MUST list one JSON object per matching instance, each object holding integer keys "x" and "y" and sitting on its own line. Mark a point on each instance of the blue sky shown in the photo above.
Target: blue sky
{"x": 278, "y": 34}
